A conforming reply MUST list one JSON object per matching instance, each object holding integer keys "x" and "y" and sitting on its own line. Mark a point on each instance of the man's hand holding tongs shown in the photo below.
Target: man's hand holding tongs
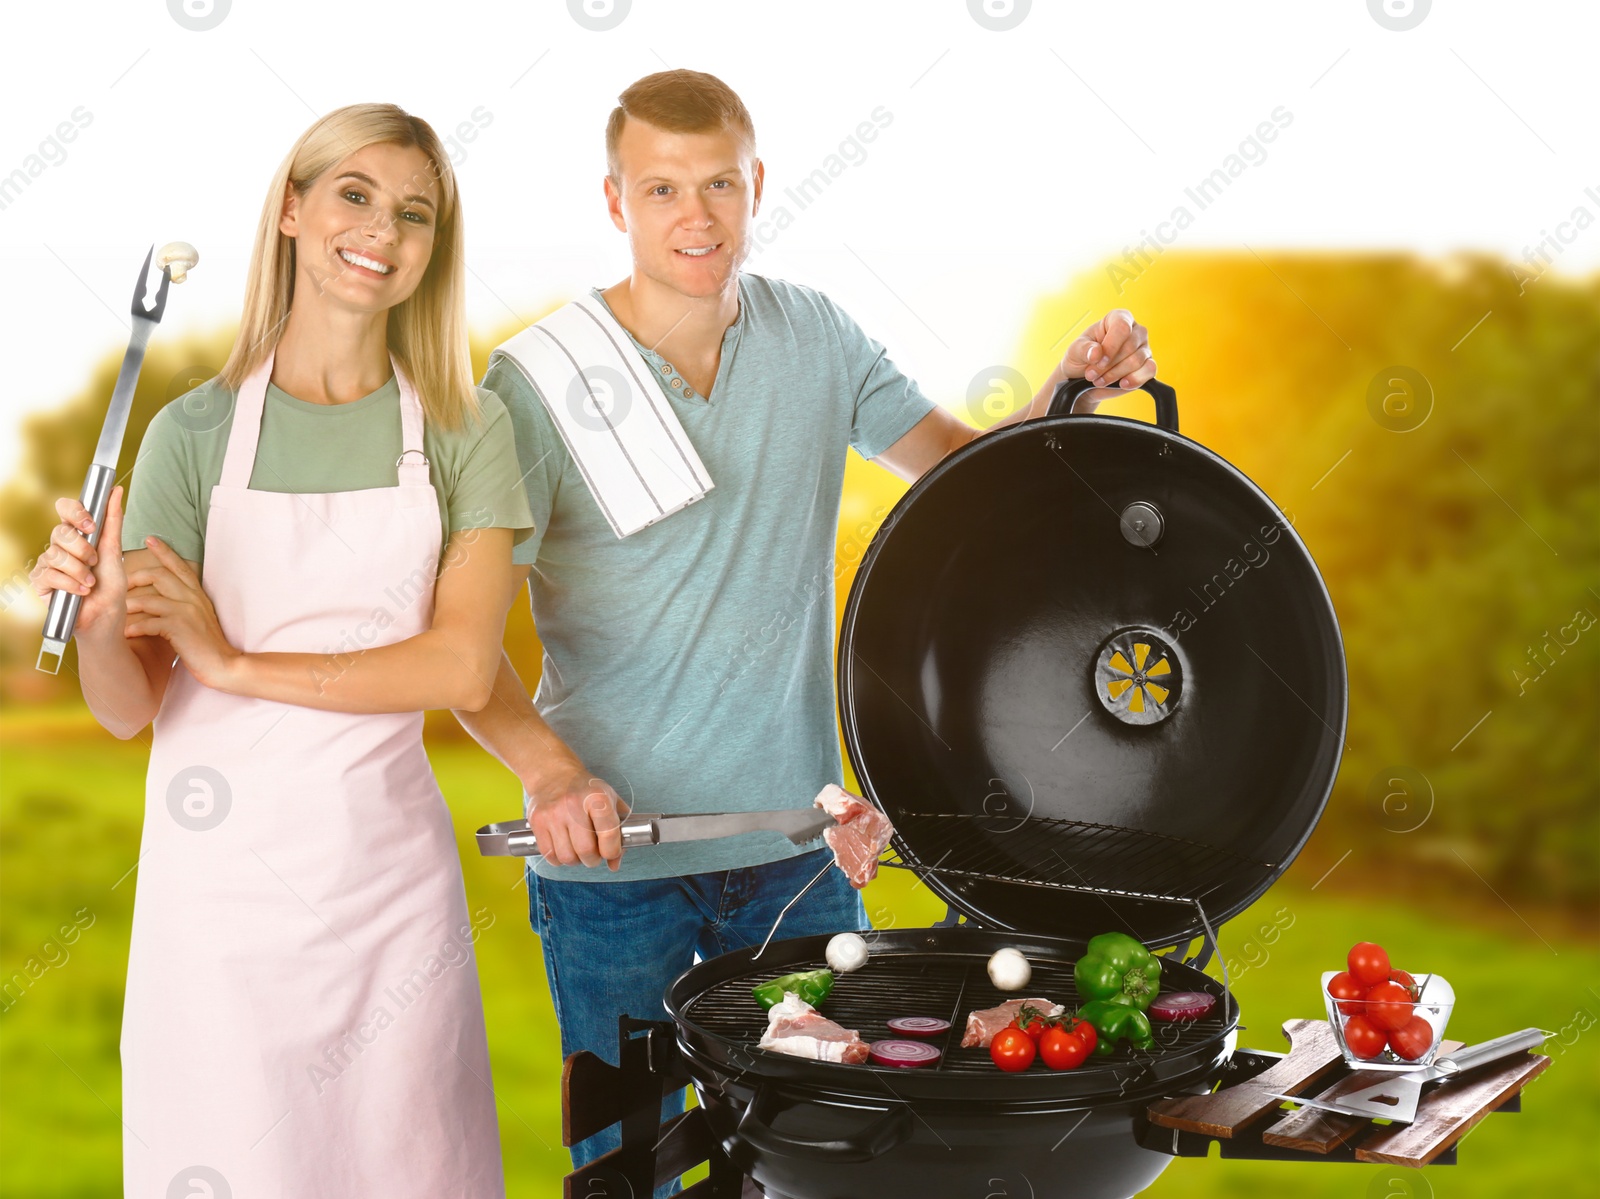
{"x": 576, "y": 817}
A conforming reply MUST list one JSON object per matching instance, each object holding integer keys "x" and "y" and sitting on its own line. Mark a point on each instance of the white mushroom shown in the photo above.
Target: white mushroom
{"x": 180, "y": 256}
{"x": 1009, "y": 970}
{"x": 846, "y": 952}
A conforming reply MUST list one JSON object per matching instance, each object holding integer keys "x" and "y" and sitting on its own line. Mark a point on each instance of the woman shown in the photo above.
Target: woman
{"x": 303, "y": 1015}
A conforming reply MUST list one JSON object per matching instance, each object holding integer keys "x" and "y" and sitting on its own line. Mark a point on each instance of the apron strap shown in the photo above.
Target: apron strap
{"x": 413, "y": 463}
{"x": 239, "y": 461}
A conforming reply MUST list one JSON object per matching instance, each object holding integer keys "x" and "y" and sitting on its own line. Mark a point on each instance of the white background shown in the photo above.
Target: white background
{"x": 1013, "y": 160}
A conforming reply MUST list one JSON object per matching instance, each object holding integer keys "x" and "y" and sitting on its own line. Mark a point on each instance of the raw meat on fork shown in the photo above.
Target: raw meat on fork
{"x": 858, "y": 838}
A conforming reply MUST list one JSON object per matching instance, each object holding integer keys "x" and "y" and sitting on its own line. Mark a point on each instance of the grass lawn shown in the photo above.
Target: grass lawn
{"x": 70, "y": 812}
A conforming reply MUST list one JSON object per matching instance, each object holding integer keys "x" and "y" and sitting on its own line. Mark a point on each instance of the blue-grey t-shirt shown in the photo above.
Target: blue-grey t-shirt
{"x": 690, "y": 665}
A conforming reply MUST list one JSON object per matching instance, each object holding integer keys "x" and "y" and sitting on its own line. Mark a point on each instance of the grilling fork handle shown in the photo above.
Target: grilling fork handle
{"x": 62, "y": 616}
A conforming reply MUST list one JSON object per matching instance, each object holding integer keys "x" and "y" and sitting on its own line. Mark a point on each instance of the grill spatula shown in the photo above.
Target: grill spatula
{"x": 1395, "y": 1097}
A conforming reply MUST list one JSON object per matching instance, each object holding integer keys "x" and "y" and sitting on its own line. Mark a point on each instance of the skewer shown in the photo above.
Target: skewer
{"x": 1222, "y": 960}
{"x": 786, "y": 908}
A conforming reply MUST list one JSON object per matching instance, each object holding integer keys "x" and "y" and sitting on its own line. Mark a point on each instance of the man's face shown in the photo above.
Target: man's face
{"x": 686, "y": 201}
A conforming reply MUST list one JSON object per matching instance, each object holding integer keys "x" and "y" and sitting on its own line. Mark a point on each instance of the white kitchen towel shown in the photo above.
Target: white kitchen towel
{"x": 617, "y": 424}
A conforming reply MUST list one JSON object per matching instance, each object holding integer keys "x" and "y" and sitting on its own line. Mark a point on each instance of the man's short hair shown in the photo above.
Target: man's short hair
{"x": 679, "y": 102}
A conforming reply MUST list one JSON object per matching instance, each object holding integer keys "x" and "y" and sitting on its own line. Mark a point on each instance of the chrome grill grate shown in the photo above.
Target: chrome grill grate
{"x": 1067, "y": 855}
{"x": 931, "y": 983}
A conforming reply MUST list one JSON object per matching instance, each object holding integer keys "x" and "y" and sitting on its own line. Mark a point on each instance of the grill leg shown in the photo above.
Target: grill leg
{"x": 653, "y": 1067}
{"x": 727, "y": 1180}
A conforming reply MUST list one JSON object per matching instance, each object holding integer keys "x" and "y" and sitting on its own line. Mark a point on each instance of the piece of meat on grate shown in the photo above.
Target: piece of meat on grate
{"x": 795, "y": 1027}
{"x": 985, "y": 1022}
{"x": 858, "y": 838}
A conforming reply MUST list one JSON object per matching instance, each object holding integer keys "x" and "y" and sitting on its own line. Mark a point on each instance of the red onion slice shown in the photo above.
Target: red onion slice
{"x": 903, "y": 1054}
{"x": 919, "y": 1026}
{"x": 1182, "y": 1005}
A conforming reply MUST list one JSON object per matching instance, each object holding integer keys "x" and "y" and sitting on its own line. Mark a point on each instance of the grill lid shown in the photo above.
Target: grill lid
{"x": 1093, "y": 676}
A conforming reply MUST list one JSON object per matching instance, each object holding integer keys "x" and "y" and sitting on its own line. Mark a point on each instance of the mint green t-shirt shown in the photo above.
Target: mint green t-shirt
{"x": 306, "y": 447}
{"x": 690, "y": 665}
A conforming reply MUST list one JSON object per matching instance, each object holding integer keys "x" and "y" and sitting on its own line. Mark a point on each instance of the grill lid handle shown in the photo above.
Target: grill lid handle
{"x": 1166, "y": 398}
{"x": 862, "y": 1145}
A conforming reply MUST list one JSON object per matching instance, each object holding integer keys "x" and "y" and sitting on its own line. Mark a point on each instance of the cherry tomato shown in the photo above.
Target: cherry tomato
{"x": 1062, "y": 1050}
{"x": 1369, "y": 964}
{"x": 1012, "y": 1049}
{"x": 1406, "y": 981}
{"x": 1388, "y": 1006}
{"x": 1348, "y": 992}
{"x": 1364, "y": 1037}
{"x": 1032, "y": 1021}
{"x": 1412, "y": 1039}
{"x": 1083, "y": 1030}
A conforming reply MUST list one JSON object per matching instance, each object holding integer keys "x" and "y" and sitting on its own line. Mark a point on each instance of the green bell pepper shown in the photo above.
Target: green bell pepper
{"x": 1114, "y": 1022}
{"x": 811, "y": 985}
{"x": 1118, "y": 969}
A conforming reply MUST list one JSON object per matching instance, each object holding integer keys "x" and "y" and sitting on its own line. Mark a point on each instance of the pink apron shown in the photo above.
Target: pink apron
{"x": 303, "y": 1016}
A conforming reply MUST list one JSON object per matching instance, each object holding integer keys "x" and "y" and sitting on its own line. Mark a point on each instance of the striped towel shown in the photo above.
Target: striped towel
{"x": 617, "y": 424}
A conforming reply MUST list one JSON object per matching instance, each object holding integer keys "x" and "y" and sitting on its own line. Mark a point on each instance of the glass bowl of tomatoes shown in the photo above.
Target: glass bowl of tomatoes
{"x": 1393, "y": 1025}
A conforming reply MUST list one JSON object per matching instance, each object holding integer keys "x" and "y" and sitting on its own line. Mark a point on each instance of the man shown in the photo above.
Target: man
{"x": 688, "y": 667}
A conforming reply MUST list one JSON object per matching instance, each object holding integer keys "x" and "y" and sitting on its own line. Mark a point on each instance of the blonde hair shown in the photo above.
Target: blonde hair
{"x": 679, "y": 101}
{"x": 427, "y": 332}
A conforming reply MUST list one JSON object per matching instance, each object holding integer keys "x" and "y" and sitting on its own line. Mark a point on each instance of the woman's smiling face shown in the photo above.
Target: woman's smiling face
{"x": 364, "y": 229}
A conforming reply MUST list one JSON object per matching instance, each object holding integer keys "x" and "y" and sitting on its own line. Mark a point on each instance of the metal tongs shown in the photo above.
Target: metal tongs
{"x": 513, "y": 838}
{"x": 63, "y": 614}
{"x": 1395, "y": 1097}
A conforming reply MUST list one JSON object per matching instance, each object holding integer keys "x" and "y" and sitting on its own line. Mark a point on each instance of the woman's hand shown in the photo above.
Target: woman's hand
{"x": 70, "y": 563}
{"x": 167, "y": 601}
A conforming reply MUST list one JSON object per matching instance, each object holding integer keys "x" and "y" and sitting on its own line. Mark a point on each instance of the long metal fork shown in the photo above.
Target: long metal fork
{"x": 62, "y": 617}
{"x": 787, "y": 906}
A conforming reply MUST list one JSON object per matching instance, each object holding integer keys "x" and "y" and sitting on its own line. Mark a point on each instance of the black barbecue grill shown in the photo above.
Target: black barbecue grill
{"x": 1091, "y": 674}
{"x": 1093, "y": 677}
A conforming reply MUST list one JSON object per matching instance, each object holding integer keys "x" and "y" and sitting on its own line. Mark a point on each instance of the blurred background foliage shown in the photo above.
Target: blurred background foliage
{"x": 1462, "y": 555}
{"x": 1461, "y": 551}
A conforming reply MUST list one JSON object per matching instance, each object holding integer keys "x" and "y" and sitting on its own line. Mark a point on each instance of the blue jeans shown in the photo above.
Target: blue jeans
{"x": 614, "y": 948}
